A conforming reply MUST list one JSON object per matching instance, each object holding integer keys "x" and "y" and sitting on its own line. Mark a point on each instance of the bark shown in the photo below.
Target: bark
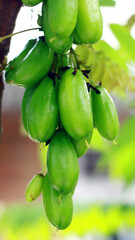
{"x": 8, "y": 13}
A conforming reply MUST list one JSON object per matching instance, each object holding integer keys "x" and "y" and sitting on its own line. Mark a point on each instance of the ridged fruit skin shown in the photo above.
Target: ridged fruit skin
{"x": 62, "y": 16}
{"x": 74, "y": 105}
{"x": 31, "y": 3}
{"x": 62, "y": 162}
{"x": 40, "y": 110}
{"x": 17, "y": 61}
{"x": 34, "y": 188}
{"x": 57, "y": 44}
{"x": 105, "y": 114}
{"x": 81, "y": 146}
{"x": 89, "y": 24}
{"x": 34, "y": 66}
{"x": 59, "y": 209}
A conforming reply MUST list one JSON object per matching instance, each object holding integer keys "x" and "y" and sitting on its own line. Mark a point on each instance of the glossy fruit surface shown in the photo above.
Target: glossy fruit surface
{"x": 30, "y": 72}
{"x": 89, "y": 21}
{"x": 81, "y": 146}
{"x": 76, "y": 39}
{"x": 62, "y": 16}
{"x": 105, "y": 114}
{"x": 62, "y": 162}
{"x": 40, "y": 110}
{"x": 31, "y": 3}
{"x": 74, "y": 105}
{"x": 59, "y": 209}
{"x": 25, "y": 106}
{"x": 16, "y": 62}
{"x": 34, "y": 188}
{"x": 57, "y": 44}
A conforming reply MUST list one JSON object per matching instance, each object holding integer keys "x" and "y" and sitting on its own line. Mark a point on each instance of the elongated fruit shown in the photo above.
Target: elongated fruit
{"x": 31, "y": 3}
{"x": 40, "y": 110}
{"x": 89, "y": 24}
{"x": 57, "y": 44}
{"x": 59, "y": 209}
{"x": 17, "y": 61}
{"x": 62, "y": 162}
{"x": 62, "y": 16}
{"x": 105, "y": 114}
{"x": 34, "y": 188}
{"x": 81, "y": 146}
{"x": 74, "y": 105}
{"x": 30, "y": 72}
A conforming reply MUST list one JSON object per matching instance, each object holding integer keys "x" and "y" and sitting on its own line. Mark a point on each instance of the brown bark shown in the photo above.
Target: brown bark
{"x": 8, "y": 13}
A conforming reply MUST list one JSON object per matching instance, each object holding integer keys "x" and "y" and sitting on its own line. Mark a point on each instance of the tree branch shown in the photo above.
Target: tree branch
{"x": 8, "y": 12}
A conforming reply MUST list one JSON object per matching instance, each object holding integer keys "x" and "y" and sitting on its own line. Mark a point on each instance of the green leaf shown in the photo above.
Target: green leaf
{"x": 111, "y": 53}
{"x": 107, "y": 3}
{"x": 127, "y": 43}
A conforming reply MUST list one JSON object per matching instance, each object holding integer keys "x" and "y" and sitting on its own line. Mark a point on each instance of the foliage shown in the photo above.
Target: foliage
{"x": 110, "y": 3}
{"x": 25, "y": 222}
{"x": 120, "y": 159}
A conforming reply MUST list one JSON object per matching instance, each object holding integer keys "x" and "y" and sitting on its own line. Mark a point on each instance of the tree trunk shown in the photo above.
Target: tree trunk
{"x": 8, "y": 13}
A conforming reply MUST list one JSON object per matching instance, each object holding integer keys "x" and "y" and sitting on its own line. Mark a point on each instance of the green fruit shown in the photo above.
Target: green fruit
{"x": 74, "y": 105}
{"x": 62, "y": 163}
{"x": 76, "y": 40}
{"x": 62, "y": 16}
{"x": 25, "y": 106}
{"x": 40, "y": 110}
{"x": 81, "y": 146}
{"x": 105, "y": 114}
{"x": 34, "y": 66}
{"x": 34, "y": 188}
{"x": 59, "y": 209}
{"x": 15, "y": 63}
{"x": 89, "y": 24}
{"x": 57, "y": 44}
{"x": 31, "y": 3}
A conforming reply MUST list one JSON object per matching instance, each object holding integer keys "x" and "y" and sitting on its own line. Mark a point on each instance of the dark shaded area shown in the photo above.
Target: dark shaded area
{"x": 8, "y": 13}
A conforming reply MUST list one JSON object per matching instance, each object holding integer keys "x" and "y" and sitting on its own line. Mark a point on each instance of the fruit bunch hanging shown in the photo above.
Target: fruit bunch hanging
{"x": 60, "y": 106}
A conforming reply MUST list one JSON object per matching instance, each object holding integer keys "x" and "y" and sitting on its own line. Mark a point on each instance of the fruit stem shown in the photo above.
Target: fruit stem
{"x": 116, "y": 143}
{"x": 59, "y": 198}
{"x": 54, "y": 234}
{"x": 13, "y": 34}
{"x": 75, "y": 57}
{"x": 87, "y": 144}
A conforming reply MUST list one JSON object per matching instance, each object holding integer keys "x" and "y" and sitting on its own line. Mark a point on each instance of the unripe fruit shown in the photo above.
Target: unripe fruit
{"x": 62, "y": 162}
{"x": 74, "y": 105}
{"x": 105, "y": 114}
{"x": 30, "y": 72}
{"x": 62, "y": 16}
{"x": 34, "y": 188}
{"x": 58, "y": 208}
{"x": 81, "y": 146}
{"x": 89, "y": 24}
{"x": 57, "y": 44}
{"x": 31, "y": 3}
{"x": 40, "y": 110}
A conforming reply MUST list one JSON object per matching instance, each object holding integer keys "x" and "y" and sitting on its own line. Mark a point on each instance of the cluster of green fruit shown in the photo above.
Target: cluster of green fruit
{"x": 59, "y": 106}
